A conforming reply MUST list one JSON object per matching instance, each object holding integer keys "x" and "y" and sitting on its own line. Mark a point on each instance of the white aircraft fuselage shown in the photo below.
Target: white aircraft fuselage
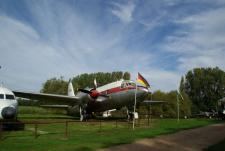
{"x": 8, "y": 104}
{"x": 120, "y": 94}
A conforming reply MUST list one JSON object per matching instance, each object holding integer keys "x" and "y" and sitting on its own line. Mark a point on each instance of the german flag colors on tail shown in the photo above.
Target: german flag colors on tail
{"x": 142, "y": 80}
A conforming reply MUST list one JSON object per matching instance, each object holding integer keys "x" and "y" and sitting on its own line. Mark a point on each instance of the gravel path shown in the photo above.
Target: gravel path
{"x": 187, "y": 140}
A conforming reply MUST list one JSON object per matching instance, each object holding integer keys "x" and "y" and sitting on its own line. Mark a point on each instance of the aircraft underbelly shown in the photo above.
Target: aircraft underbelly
{"x": 116, "y": 101}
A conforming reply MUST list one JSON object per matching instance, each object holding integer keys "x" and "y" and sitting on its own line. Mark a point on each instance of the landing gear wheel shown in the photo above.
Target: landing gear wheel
{"x": 83, "y": 115}
{"x": 130, "y": 115}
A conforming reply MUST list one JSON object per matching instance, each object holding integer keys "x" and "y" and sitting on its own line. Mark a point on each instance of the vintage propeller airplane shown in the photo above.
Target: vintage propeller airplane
{"x": 114, "y": 95}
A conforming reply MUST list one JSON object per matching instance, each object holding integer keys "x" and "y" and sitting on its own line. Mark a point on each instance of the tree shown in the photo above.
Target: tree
{"x": 59, "y": 85}
{"x": 87, "y": 80}
{"x": 205, "y": 86}
{"x": 169, "y": 108}
{"x": 126, "y": 76}
{"x": 55, "y": 86}
{"x": 182, "y": 86}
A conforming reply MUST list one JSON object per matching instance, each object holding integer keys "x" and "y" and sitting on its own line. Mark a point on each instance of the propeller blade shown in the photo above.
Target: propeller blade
{"x": 85, "y": 91}
{"x": 93, "y": 93}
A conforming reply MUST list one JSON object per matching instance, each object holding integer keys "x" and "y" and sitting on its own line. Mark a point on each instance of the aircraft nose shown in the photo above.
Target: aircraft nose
{"x": 8, "y": 113}
{"x": 144, "y": 89}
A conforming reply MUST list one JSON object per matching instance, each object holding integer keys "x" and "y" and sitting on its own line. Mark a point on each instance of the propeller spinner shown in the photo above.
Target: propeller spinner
{"x": 93, "y": 92}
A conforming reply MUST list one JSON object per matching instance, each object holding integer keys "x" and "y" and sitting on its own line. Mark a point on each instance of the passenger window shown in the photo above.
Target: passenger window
{"x": 9, "y": 97}
{"x": 1, "y": 96}
{"x": 124, "y": 85}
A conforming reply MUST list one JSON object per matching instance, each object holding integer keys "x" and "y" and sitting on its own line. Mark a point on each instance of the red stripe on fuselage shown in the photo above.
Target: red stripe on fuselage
{"x": 117, "y": 89}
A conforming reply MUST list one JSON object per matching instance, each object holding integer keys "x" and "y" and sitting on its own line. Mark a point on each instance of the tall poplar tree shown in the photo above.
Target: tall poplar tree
{"x": 205, "y": 86}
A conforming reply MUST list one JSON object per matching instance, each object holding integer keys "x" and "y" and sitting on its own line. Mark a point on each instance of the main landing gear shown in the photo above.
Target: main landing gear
{"x": 84, "y": 115}
{"x": 131, "y": 115}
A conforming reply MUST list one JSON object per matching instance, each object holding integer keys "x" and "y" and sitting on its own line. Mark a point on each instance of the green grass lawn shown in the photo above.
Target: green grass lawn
{"x": 88, "y": 136}
{"x": 40, "y": 110}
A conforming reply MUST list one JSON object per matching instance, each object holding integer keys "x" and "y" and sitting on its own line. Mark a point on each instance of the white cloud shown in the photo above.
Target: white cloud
{"x": 24, "y": 56}
{"x": 201, "y": 61}
{"x": 172, "y": 2}
{"x": 28, "y": 59}
{"x": 200, "y": 42}
{"x": 124, "y": 11}
{"x": 67, "y": 44}
{"x": 160, "y": 79}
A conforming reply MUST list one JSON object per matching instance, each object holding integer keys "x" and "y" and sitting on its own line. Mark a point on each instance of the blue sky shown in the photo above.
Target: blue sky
{"x": 41, "y": 39}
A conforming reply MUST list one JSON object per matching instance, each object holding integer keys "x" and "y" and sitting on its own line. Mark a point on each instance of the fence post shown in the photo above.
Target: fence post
{"x": 139, "y": 122}
{"x": 116, "y": 123}
{"x": 1, "y": 130}
{"x": 100, "y": 125}
{"x": 35, "y": 130}
{"x": 66, "y": 130}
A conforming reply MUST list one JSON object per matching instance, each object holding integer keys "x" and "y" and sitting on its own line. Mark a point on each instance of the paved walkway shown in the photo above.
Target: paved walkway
{"x": 187, "y": 140}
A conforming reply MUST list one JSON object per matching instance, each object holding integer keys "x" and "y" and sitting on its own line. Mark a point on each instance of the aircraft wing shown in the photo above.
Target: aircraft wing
{"x": 49, "y": 98}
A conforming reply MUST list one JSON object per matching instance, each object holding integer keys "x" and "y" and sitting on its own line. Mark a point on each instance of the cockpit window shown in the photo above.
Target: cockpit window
{"x": 127, "y": 84}
{"x": 10, "y": 97}
{"x": 131, "y": 84}
{"x": 1, "y": 96}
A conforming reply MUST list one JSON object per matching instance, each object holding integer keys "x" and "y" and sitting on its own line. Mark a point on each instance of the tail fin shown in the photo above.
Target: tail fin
{"x": 70, "y": 89}
{"x": 95, "y": 84}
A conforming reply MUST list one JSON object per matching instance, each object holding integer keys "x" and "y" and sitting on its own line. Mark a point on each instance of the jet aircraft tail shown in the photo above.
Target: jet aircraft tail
{"x": 70, "y": 89}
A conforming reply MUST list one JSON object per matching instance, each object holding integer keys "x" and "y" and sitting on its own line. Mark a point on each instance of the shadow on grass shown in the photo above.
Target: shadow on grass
{"x": 84, "y": 148}
{"x": 217, "y": 147}
{"x": 8, "y": 135}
